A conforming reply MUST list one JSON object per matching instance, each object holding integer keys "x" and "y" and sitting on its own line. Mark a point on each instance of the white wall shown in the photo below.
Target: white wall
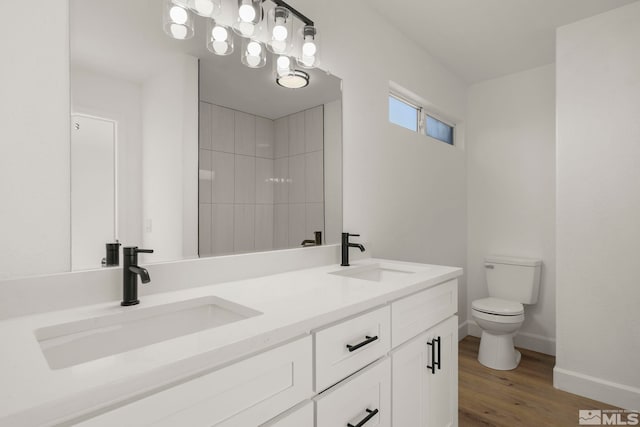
{"x": 120, "y": 100}
{"x": 403, "y": 192}
{"x": 511, "y": 188}
{"x": 170, "y": 161}
{"x": 34, "y": 141}
{"x": 598, "y": 208}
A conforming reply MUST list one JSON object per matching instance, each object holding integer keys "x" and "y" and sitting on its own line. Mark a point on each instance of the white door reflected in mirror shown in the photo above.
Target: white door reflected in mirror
{"x": 93, "y": 190}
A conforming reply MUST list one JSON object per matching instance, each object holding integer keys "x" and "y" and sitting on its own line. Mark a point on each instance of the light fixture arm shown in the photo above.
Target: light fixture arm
{"x": 299, "y": 15}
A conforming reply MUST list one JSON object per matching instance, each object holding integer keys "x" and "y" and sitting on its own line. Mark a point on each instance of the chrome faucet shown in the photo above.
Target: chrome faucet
{"x": 345, "y": 248}
{"x": 130, "y": 273}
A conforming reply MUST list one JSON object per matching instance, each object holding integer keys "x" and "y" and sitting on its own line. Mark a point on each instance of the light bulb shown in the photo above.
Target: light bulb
{"x": 178, "y": 15}
{"x": 178, "y": 31}
{"x": 247, "y": 13}
{"x": 283, "y": 62}
{"x": 308, "y": 61}
{"x": 246, "y": 28}
{"x": 219, "y": 34}
{"x": 204, "y": 7}
{"x": 220, "y": 47}
{"x": 253, "y": 61}
{"x": 309, "y": 48}
{"x": 254, "y": 48}
{"x": 280, "y": 33}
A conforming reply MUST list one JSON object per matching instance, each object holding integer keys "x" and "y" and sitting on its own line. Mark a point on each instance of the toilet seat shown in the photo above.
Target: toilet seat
{"x": 498, "y": 307}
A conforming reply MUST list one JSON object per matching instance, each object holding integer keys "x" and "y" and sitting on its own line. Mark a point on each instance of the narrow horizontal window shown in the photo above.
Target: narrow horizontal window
{"x": 439, "y": 130}
{"x": 403, "y": 114}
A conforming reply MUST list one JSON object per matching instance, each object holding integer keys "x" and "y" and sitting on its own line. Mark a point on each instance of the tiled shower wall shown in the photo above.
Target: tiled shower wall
{"x": 261, "y": 181}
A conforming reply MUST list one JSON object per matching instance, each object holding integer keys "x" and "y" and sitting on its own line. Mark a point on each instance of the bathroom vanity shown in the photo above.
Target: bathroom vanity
{"x": 374, "y": 344}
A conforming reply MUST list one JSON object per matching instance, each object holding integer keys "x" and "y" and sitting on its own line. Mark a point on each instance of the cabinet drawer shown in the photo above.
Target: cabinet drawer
{"x": 300, "y": 416}
{"x": 345, "y": 348}
{"x": 246, "y": 393}
{"x": 367, "y": 395}
{"x": 416, "y": 313}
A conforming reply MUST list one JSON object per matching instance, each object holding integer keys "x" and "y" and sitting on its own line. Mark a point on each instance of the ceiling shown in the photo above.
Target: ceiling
{"x": 124, "y": 39}
{"x": 484, "y": 39}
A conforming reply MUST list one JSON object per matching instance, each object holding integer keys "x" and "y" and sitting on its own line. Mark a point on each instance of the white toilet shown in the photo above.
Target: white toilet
{"x": 512, "y": 282}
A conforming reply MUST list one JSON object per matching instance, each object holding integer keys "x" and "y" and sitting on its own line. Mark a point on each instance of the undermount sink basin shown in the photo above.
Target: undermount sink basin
{"x": 380, "y": 272}
{"x": 85, "y": 340}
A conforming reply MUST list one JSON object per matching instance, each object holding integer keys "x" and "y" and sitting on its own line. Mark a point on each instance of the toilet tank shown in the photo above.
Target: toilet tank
{"x": 513, "y": 278}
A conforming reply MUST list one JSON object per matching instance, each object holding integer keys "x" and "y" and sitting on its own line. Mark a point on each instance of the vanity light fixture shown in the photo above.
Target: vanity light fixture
{"x": 289, "y": 33}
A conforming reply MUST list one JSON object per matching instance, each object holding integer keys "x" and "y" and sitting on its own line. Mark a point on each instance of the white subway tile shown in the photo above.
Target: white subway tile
{"x": 282, "y": 137}
{"x": 222, "y": 129}
{"x": 297, "y": 176}
{"x": 264, "y": 227}
{"x": 264, "y": 180}
{"x": 245, "y": 179}
{"x": 223, "y": 188}
{"x": 245, "y": 133}
{"x": 314, "y": 177}
{"x": 222, "y": 226}
{"x": 314, "y": 129}
{"x": 205, "y": 176}
{"x": 265, "y": 138}
{"x": 243, "y": 228}
{"x": 296, "y": 134}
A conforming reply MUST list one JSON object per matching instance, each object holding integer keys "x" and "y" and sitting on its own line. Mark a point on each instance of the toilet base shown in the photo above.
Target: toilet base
{"x": 497, "y": 351}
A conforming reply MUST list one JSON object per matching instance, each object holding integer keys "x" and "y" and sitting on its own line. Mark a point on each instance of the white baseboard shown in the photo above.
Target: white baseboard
{"x": 621, "y": 395}
{"x": 463, "y": 330}
{"x": 526, "y": 340}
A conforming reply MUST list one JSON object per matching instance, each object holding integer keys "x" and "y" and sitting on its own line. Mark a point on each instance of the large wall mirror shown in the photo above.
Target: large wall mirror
{"x": 189, "y": 153}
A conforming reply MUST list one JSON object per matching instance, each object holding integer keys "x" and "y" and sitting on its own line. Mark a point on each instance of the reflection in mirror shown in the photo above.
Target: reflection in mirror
{"x": 189, "y": 153}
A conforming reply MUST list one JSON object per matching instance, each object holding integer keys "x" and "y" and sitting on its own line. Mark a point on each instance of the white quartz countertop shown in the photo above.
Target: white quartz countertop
{"x": 292, "y": 304}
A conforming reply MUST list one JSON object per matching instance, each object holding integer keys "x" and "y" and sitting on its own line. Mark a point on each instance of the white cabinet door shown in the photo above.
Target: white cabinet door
{"x": 425, "y": 378}
{"x": 362, "y": 400}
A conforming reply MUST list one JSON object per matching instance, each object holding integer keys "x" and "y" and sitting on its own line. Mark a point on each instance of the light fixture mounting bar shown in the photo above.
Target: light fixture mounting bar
{"x": 299, "y": 15}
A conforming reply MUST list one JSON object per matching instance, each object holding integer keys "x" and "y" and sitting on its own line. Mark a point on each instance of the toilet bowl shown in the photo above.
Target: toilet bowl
{"x": 499, "y": 321}
{"x": 512, "y": 282}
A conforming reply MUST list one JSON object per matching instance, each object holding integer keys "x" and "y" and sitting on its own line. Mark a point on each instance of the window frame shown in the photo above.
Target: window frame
{"x": 421, "y": 117}
{"x": 411, "y": 104}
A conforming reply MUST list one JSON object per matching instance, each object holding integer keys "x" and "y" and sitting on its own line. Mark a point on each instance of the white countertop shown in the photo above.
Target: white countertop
{"x": 292, "y": 303}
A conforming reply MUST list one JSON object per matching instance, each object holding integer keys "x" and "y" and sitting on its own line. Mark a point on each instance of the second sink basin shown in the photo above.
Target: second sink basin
{"x": 380, "y": 272}
{"x": 77, "y": 342}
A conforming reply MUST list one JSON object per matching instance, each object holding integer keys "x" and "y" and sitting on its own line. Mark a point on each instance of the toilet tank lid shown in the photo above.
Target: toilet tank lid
{"x": 503, "y": 259}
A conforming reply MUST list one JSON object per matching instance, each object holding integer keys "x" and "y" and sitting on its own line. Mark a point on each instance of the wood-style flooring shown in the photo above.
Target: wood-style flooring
{"x": 522, "y": 397}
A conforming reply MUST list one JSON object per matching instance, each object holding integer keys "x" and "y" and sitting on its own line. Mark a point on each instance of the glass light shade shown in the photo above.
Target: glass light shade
{"x": 206, "y": 8}
{"x": 280, "y": 25}
{"x": 249, "y": 18}
{"x": 308, "y": 55}
{"x": 219, "y": 38}
{"x": 177, "y": 20}
{"x": 254, "y": 53}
